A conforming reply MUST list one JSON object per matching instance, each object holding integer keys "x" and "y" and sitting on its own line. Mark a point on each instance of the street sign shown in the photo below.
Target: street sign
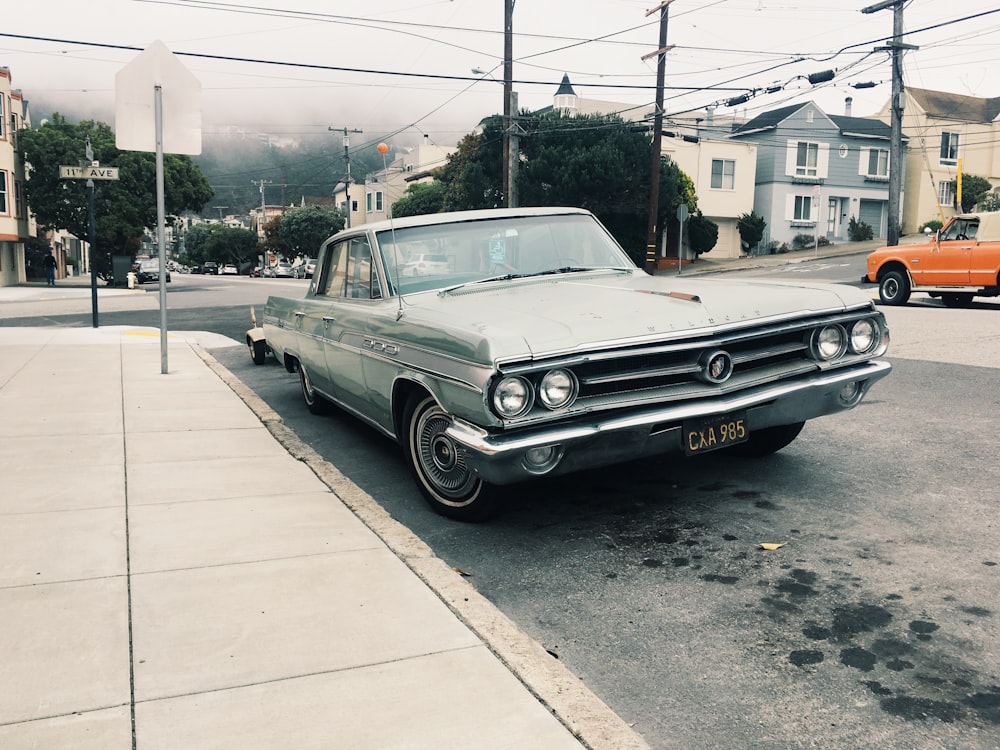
{"x": 88, "y": 173}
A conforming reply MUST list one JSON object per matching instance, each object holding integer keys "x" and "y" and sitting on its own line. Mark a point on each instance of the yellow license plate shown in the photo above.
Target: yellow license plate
{"x": 712, "y": 433}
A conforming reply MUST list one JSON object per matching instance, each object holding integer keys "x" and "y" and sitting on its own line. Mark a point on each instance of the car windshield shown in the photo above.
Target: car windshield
{"x": 450, "y": 255}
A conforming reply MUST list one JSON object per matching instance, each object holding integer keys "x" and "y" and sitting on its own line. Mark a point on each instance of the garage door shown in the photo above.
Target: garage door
{"x": 871, "y": 214}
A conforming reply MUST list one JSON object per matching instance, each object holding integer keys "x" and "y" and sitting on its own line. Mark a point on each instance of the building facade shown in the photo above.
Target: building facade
{"x": 945, "y": 132}
{"x": 818, "y": 172}
{"x": 16, "y": 225}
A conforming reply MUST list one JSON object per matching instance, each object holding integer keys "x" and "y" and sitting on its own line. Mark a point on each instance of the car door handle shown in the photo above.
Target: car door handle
{"x": 299, "y": 314}
{"x": 328, "y": 319}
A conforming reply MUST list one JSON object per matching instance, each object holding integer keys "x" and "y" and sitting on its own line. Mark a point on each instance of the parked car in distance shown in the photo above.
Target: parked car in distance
{"x": 279, "y": 271}
{"x": 298, "y": 270}
{"x": 149, "y": 272}
{"x": 543, "y": 350}
{"x": 424, "y": 264}
{"x": 210, "y": 267}
{"x": 310, "y": 266}
{"x": 230, "y": 270}
{"x": 957, "y": 263}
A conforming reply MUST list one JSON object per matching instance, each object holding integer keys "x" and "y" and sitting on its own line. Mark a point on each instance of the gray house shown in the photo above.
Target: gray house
{"x": 816, "y": 170}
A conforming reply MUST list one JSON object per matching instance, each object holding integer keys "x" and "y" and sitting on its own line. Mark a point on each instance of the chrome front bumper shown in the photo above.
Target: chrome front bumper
{"x": 609, "y": 438}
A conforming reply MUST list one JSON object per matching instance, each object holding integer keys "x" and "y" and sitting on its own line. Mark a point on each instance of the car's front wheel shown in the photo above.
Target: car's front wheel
{"x": 767, "y": 441}
{"x": 894, "y": 288}
{"x": 446, "y": 482}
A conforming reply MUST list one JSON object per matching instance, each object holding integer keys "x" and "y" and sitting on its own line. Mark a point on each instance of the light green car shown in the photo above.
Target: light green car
{"x": 540, "y": 349}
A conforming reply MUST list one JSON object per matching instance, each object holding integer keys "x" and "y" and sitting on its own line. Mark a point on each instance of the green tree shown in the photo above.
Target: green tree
{"x": 303, "y": 230}
{"x": 974, "y": 189}
{"x": 989, "y": 203}
{"x": 751, "y": 228}
{"x": 234, "y": 245}
{"x": 420, "y": 198}
{"x": 123, "y": 208}
{"x": 597, "y": 162}
{"x": 702, "y": 233}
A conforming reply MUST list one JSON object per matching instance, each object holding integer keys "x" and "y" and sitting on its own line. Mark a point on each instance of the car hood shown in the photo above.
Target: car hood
{"x": 546, "y": 315}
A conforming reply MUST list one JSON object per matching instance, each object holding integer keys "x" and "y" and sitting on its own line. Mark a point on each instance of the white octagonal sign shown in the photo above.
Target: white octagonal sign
{"x": 135, "y": 103}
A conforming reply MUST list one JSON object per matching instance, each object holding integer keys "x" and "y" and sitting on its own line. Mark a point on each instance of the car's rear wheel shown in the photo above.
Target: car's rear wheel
{"x": 894, "y": 288}
{"x": 315, "y": 403}
{"x": 258, "y": 351}
{"x": 444, "y": 479}
{"x": 957, "y": 299}
{"x": 767, "y": 441}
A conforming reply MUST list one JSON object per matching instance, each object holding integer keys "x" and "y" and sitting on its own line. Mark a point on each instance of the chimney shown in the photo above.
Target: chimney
{"x": 847, "y": 106}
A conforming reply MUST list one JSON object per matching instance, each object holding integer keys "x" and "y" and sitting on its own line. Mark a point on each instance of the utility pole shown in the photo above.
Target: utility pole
{"x": 509, "y": 154}
{"x": 896, "y": 114}
{"x": 263, "y": 219}
{"x": 347, "y": 158}
{"x": 654, "y": 179}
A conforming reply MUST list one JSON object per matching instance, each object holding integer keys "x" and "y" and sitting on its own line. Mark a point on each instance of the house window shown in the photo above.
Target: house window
{"x": 946, "y": 193}
{"x": 878, "y": 162}
{"x": 803, "y": 208}
{"x": 3, "y": 115}
{"x": 19, "y": 205}
{"x": 3, "y": 193}
{"x": 949, "y": 148}
{"x": 379, "y": 205}
{"x": 723, "y": 174}
{"x": 806, "y": 159}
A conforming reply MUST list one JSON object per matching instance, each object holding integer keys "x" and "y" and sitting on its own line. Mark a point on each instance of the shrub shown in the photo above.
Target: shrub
{"x": 802, "y": 240}
{"x": 859, "y": 231}
{"x": 934, "y": 225}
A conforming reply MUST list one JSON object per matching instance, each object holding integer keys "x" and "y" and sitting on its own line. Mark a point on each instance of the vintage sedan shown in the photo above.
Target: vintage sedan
{"x": 540, "y": 349}
{"x": 960, "y": 262}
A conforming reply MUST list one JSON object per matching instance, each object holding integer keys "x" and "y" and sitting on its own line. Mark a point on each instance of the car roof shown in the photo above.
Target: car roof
{"x": 423, "y": 220}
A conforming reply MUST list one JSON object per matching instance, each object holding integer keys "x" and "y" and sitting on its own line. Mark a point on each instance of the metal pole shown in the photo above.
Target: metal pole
{"x": 92, "y": 241}
{"x": 160, "y": 221}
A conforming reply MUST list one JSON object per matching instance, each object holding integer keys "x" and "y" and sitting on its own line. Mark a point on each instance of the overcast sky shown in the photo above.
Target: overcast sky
{"x": 388, "y": 66}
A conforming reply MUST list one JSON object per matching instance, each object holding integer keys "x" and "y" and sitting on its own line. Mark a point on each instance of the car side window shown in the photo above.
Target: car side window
{"x": 336, "y": 270}
{"x": 358, "y": 280}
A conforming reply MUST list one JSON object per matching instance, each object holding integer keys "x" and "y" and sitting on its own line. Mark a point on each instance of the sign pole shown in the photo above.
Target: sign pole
{"x": 92, "y": 240}
{"x": 160, "y": 229}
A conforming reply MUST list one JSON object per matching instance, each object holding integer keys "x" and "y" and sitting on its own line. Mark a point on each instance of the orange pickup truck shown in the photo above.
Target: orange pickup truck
{"x": 960, "y": 262}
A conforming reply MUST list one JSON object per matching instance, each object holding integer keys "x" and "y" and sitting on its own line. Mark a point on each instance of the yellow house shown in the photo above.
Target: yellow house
{"x": 945, "y": 131}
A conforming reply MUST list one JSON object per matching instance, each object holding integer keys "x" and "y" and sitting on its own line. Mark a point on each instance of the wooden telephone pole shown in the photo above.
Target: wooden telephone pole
{"x": 896, "y": 114}
{"x": 654, "y": 178}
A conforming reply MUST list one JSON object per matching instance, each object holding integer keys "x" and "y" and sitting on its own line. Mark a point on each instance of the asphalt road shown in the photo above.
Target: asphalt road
{"x": 873, "y": 625}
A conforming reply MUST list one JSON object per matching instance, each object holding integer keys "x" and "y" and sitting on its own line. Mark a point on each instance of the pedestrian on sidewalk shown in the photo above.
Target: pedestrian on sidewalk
{"x": 49, "y": 264}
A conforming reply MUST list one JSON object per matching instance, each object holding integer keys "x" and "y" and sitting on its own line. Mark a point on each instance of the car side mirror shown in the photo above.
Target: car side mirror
{"x": 928, "y": 231}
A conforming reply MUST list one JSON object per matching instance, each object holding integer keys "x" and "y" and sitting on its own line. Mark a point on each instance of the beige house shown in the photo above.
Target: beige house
{"x": 16, "y": 225}
{"x": 723, "y": 173}
{"x": 945, "y": 131}
{"x": 383, "y": 188}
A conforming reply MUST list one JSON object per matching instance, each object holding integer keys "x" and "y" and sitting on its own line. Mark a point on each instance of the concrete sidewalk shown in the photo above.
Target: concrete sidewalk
{"x": 178, "y": 571}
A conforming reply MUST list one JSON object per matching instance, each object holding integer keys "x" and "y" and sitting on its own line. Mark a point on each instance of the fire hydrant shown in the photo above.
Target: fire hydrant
{"x": 131, "y": 279}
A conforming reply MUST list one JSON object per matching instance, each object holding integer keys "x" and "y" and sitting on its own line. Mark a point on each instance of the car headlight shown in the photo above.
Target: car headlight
{"x": 864, "y": 336}
{"x": 557, "y": 389}
{"x": 512, "y": 397}
{"x": 828, "y": 342}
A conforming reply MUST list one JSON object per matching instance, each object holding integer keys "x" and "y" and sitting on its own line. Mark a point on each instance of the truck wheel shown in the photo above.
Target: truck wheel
{"x": 448, "y": 485}
{"x": 258, "y": 351}
{"x": 314, "y": 402}
{"x": 767, "y": 441}
{"x": 894, "y": 288}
